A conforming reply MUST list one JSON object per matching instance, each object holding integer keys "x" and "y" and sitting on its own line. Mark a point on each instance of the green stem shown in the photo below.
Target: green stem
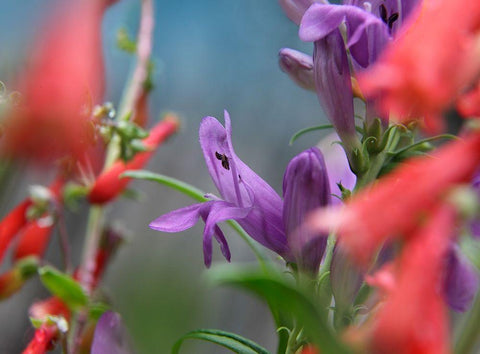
{"x": 468, "y": 333}
{"x": 263, "y": 260}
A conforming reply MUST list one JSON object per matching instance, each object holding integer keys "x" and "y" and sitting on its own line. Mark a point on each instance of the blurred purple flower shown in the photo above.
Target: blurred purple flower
{"x": 250, "y": 201}
{"x": 461, "y": 281}
{"x": 337, "y": 166}
{"x": 110, "y": 336}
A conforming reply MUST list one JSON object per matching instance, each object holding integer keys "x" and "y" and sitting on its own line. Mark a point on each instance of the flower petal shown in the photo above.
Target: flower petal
{"x": 461, "y": 281}
{"x": 178, "y": 220}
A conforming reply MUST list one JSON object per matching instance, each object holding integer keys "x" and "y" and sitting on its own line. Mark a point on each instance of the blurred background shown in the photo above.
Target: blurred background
{"x": 209, "y": 55}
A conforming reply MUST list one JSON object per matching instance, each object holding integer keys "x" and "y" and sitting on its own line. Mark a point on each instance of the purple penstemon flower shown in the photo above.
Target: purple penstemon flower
{"x": 248, "y": 199}
{"x": 361, "y": 27}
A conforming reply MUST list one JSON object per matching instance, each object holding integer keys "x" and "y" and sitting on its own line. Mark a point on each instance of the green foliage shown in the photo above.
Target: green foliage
{"x": 286, "y": 299}
{"x": 63, "y": 286}
{"x": 234, "y": 342}
{"x": 307, "y": 130}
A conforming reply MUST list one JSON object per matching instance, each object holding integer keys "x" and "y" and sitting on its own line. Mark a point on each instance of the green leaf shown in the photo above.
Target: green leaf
{"x": 63, "y": 286}
{"x": 171, "y": 182}
{"x": 307, "y": 130}
{"x": 284, "y": 297}
{"x": 124, "y": 42}
{"x": 232, "y": 341}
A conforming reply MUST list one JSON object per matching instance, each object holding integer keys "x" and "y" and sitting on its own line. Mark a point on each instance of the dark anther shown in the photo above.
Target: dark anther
{"x": 392, "y": 19}
{"x": 383, "y": 13}
{"x": 224, "y": 159}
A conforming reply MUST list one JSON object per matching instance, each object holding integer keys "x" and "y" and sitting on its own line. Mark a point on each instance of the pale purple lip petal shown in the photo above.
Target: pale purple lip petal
{"x": 178, "y": 220}
{"x": 111, "y": 336}
{"x": 461, "y": 281}
{"x": 216, "y": 213}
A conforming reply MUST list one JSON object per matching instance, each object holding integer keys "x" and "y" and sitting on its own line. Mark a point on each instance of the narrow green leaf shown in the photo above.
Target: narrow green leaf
{"x": 174, "y": 183}
{"x": 423, "y": 141}
{"x": 63, "y": 286}
{"x": 285, "y": 297}
{"x": 307, "y": 130}
{"x": 232, "y": 341}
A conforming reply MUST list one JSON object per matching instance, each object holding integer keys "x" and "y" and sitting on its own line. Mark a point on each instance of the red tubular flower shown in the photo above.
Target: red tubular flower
{"x": 108, "y": 185}
{"x": 44, "y": 338}
{"x": 33, "y": 240}
{"x": 64, "y": 77}
{"x": 413, "y": 319}
{"x": 33, "y": 237}
{"x": 12, "y": 224}
{"x": 364, "y": 223}
{"x": 434, "y": 59}
{"x": 469, "y": 104}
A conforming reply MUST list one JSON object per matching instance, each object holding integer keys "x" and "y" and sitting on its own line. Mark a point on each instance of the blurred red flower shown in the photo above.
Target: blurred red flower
{"x": 425, "y": 70}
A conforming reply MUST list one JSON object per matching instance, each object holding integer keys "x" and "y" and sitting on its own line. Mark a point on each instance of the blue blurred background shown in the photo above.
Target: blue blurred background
{"x": 209, "y": 55}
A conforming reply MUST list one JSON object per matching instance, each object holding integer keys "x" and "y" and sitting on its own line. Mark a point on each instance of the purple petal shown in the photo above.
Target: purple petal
{"x": 305, "y": 188}
{"x": 110, "y": 336}
{"x": 215, "y": 213}
{"x": 461, "y": 281}
{"x": 294, "y": 9}
{"x": 298, "y": 66}
{"x": 178, "y": 220}
{"x": 337, "y": 166}
{"x": 319, "y": 21}
{"x": 367, "y": 34}
{"x": 334, "y": 85}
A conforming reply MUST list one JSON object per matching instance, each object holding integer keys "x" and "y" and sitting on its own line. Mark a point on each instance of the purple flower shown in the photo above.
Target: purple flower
{"x": 110, "y": 336}
{"x": 249, "y": 200}
{"x": 461, "y": 281}
{"x": 246, "y": 198}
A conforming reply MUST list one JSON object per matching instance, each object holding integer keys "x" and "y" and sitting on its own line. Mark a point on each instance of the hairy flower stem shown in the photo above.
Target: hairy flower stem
{"x": 137, "y": 81}
{"x": 293, "y": 340}
{"x": 467, "y": 334}
{"x": 377, "y": 161}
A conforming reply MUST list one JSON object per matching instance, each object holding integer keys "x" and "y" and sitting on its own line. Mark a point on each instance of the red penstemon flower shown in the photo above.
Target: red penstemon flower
{"x": 413, "y": 318}
{"x": 434, "y": 59}
{"x": 64, "y": 77}
{"x": 364, "y": 223}
{"x": 11, "y": 225}
{"x": 108, "y": 185}
{"x": 469, "y": 104}
{"x": 43, "y": 339}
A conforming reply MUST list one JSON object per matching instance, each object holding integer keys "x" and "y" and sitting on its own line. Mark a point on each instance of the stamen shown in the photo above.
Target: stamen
{"x": 383, "y": 13}
{"x": 224, "y": 159}
{"x": 391, "y": 20}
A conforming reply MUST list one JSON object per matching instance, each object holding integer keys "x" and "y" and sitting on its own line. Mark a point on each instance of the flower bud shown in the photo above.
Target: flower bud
{"x": 298, "y": 66}
{"x": 305, "y": 188}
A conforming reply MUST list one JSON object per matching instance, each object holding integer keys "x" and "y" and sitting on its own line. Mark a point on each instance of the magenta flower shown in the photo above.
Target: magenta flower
{"x": 248, "y": 199}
